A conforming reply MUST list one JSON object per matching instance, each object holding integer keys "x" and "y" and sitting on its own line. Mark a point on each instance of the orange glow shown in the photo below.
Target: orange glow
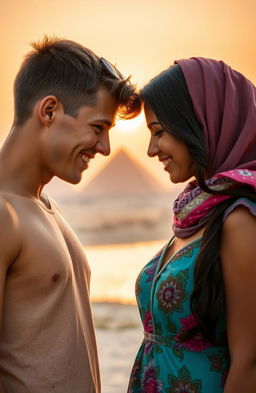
{"x": 130, "y": 125}
{"x": 141, "y": 38}
{"x": 116, "y": 267}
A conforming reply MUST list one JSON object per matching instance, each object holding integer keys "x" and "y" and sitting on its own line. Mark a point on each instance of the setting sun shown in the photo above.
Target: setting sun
{"x": 130, "y": 125}
{"x": 121, "y": 213}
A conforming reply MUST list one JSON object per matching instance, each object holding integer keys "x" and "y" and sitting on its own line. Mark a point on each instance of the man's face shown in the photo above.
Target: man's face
{"x": 70, "y": 143}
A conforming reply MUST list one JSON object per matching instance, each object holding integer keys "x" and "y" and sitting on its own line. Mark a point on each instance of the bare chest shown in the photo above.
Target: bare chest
{"x": 51, "y": 254}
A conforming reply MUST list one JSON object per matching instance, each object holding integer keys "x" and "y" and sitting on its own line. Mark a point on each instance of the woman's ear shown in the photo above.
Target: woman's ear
{"x": 47, "y": 109}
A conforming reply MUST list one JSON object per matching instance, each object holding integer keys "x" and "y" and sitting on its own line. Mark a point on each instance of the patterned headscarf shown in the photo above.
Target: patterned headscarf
{"x": 224, "y": 102}
{"x": 225, "y": 105}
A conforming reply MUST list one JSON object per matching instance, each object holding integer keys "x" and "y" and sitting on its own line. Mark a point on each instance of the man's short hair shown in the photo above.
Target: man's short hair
{"x": 73, "y": 74}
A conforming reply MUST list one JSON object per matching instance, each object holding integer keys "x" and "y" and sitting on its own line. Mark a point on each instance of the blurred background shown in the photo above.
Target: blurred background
{"x": 121, "y": 210}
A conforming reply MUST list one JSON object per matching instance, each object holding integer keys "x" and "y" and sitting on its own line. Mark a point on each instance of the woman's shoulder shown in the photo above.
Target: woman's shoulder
{"x": 238, "y": 211}
{"x": 239, "y": 218}
{"x": 239, "y": 228}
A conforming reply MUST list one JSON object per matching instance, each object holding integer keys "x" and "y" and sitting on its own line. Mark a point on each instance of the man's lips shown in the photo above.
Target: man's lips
{"x": 85, "y": 158}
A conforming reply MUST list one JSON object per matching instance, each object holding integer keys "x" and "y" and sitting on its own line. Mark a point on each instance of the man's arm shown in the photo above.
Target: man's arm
{"x": 238, "y": 257}
{"x": 10, "y": 246}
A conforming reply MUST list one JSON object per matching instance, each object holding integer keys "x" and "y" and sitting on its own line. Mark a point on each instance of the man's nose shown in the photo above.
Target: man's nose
{"x": 103, "y": 146}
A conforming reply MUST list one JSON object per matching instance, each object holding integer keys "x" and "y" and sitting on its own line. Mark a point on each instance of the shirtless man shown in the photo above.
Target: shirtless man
{"x": 66, "y": 101}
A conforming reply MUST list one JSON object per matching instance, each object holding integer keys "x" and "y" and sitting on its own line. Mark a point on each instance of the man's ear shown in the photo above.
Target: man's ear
{"x": 47, "y": 109}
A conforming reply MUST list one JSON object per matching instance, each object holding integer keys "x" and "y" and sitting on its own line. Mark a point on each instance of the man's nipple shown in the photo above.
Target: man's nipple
{"x": 55, "y": 277}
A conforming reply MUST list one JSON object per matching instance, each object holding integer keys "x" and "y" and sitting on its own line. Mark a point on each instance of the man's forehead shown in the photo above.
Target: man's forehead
{"x": 104, "y": 114}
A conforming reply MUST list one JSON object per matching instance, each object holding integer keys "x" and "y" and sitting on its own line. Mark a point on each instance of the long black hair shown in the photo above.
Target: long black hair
{"x": 168, "y": 96}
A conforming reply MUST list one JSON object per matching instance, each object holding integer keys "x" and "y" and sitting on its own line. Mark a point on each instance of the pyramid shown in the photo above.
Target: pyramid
{"x": 122, "y": 177}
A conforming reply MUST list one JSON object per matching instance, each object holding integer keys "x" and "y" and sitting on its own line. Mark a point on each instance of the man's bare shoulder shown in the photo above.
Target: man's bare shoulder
{"x": 6, "y": 209}
{"x": 10, "y": 236}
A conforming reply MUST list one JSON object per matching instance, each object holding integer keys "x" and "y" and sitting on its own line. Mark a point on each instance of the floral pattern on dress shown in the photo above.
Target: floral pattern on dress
{"x": 148, "y": 348}
{"x": 183, "y": 383}
{"x": 148, "y": 322}
{"x": 151, "y": 270}
{"x": 135, "y": 375}
{"x": 150, "y": 381}
{"x": 187, "y": 251}
{"x": 196, "y": 343}
{"x": 218, "y": 365}
{"x": 163, "y": 363}
{"x": 172, "y": 293}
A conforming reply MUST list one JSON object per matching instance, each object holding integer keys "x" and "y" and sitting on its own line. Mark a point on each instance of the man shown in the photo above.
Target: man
{"x": 66, "y": 101}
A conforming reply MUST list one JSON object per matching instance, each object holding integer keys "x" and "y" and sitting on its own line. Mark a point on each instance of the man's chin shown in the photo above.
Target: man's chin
{"x": 72, "y": 180}
{"x": 76, "y": 181}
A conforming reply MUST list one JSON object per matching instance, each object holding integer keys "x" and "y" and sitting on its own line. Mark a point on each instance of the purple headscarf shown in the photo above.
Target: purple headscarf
{"x": 225, "y": 105}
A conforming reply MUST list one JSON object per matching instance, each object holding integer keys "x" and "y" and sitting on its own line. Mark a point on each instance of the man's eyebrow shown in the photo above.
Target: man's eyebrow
{"x": 153, "y": 123}
{"x": 104, "y": 121}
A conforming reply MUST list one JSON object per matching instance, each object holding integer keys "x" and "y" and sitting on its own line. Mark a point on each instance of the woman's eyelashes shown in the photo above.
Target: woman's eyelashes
{"x": 158, "y": 132}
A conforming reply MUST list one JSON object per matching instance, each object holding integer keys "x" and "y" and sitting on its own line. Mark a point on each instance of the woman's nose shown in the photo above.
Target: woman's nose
{"x": 152, "y": 148}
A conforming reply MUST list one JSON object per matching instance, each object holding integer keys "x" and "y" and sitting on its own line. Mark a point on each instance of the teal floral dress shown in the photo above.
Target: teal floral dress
{"x": 164, "y": 363}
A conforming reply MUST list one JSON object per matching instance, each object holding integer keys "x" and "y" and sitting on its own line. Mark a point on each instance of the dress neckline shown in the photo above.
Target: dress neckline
{"x": 161, "y": 267}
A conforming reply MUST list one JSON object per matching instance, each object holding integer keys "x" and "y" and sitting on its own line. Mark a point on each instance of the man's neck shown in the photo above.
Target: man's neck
{"x": 20, "y": 167}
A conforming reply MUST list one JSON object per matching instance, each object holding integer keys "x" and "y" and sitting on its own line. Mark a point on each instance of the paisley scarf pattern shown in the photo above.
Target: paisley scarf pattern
{"x": 193, "y": 206}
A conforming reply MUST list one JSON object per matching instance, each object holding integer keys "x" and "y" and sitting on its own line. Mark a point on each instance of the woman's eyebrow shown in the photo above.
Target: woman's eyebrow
{"x": 153, "y": 123}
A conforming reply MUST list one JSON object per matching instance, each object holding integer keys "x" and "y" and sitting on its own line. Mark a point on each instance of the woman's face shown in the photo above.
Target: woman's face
{"x": 172, "y": 152}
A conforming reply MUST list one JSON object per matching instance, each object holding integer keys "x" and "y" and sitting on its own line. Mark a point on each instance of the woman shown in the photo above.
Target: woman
{"x": 197, "y": 296}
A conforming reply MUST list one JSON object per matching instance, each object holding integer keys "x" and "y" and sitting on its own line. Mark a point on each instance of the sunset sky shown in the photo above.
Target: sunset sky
{"x": 141, "y": 37}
